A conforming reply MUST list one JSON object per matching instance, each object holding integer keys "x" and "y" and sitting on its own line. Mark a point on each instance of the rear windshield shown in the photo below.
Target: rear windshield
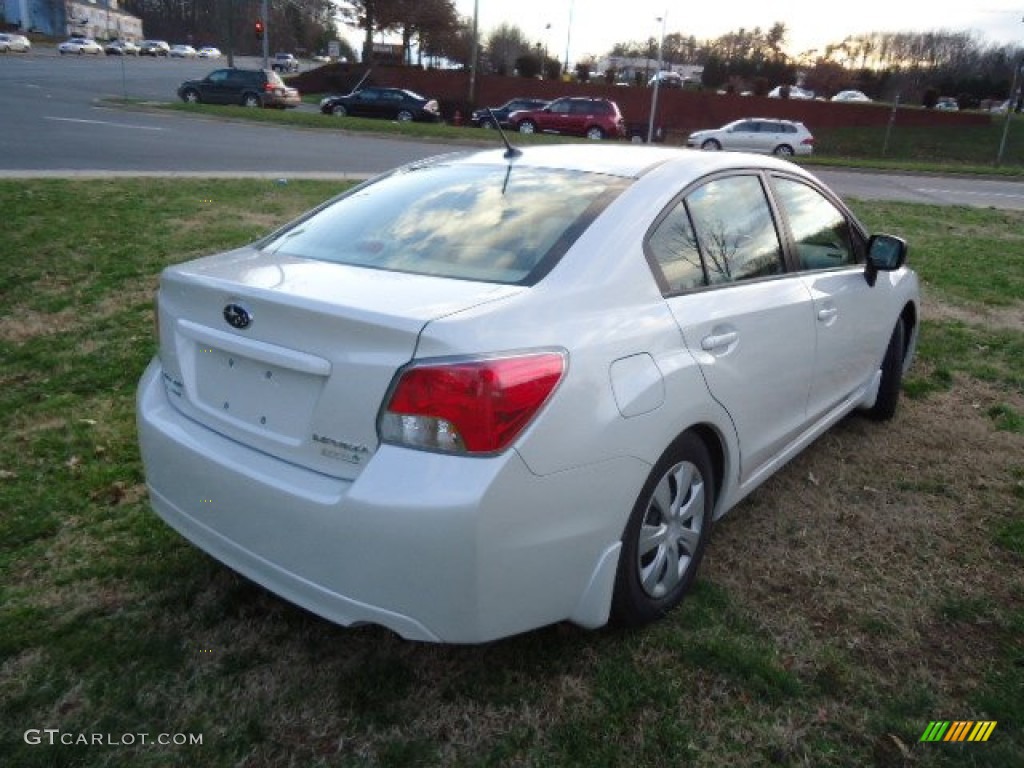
{"x": 501, "y": 224}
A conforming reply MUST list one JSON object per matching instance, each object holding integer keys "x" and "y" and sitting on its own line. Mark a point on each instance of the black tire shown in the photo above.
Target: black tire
{"x": 595, "y": 133}
{"x": 251, "y": 100}
{"x": 191, "y": 96}
{"x": 711, "y": 145}
{"x": 339, "y": 110}
{"x": 892, "y": 376}
{"x": 404, "y": 116}
{"x": 783, "y": 150}
{"x": 662, "y": 548}
{"x": 527, "y": 126}
{"x": 488, "y": 124}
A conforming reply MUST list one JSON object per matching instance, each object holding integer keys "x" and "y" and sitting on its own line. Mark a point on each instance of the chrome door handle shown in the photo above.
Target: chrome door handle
{"x": 827, "y": 314}
{"x": 718, "y": 340}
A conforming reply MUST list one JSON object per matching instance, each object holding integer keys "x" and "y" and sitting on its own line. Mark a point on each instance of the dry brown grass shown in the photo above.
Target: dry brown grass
{"x": 857, "y": 541}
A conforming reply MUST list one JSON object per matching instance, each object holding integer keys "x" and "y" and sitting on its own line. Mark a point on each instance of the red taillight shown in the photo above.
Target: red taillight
{"x": 808, "y": 140}
{"x": 269, "y": 87}
{"x": 477, "y": 406}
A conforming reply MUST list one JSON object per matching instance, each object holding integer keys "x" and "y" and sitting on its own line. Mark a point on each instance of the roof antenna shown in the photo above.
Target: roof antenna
{"x": 510, "y": 151}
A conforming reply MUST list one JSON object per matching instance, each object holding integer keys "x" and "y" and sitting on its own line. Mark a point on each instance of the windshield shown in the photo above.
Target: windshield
{"x": 499, "y": 224}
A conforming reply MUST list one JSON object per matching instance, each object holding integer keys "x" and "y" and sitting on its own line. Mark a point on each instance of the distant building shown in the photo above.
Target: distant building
{"x": 102, "y": 19}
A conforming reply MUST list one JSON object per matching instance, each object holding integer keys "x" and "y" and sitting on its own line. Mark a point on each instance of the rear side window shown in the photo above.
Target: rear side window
{"x": 474, "y": 222}
{"x": 722, "y": 232}
{"x": 735, "y": 230}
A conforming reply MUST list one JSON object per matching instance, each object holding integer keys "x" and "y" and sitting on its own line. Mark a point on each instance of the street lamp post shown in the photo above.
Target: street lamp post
{"x": 568, "y": 37}
{"x": 657, "y": 80}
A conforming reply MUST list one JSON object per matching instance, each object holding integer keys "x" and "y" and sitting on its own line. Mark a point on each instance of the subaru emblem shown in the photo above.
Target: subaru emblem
{"x": 237, "y": 316}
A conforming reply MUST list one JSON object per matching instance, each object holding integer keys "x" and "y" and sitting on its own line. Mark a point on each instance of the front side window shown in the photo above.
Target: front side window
{"x": 820, "y": 231}
{"x": 735, "y": 230}
{"x": 497, "y": 224}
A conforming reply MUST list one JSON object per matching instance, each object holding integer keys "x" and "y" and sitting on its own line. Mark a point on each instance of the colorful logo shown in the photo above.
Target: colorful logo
{"x": 958, "y": 730}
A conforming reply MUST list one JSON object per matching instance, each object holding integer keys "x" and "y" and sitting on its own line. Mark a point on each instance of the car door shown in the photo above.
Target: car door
{"x": 850, "y": 316}
{"x": 557, "y": 117}
{"x": 365, "y": 103}
{"x": 768, "y": 134}
{"x": 741, "y": 137}
{"x": 748, "y": 324}
{"x": 215, "y": 88}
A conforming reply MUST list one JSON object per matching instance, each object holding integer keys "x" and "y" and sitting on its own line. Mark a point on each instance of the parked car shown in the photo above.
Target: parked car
{"x": 182, "y": 51}
{"x": 482, "y": 118}
{"x": 121, "y": 48}
{"x": 756, "y": 134}
{"x": 947, "y": 104}
{"x": 80, "y": 45}
{"x": 388, "y": 103}
{"x": 795, "y": 92}
{"x": 398, "y": 409}
{"x": 285, "y": 62}
{"x": 573, "y": 116}
{"x": 667, "y": 79}
{"x": 851, "y": 96}
{"x": 209, "y": 52}
{"x": 154, "y": 48}
{"x": 10, "y": 42}
{"x": 248, "y": 87}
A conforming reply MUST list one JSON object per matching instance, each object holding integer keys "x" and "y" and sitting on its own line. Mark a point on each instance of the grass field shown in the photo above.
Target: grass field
{"x": 872, "y": 586}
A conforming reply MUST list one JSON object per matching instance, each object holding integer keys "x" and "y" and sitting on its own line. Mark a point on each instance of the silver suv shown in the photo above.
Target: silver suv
{"x": 767, "y": 135}
{"x": 284, "y": 62}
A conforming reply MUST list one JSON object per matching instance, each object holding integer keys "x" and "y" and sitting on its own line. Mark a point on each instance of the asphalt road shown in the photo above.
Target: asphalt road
{"x": 51, "y": 124}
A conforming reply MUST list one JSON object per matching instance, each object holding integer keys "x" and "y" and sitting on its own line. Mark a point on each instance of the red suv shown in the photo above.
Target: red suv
{"x": 576, "y": 116}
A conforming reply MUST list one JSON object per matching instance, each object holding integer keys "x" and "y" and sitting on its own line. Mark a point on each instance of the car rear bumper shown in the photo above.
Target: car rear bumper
{"x": 433, "y": 547}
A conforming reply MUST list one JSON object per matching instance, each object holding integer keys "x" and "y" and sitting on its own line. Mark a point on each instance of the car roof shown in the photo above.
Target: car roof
{"x": 623, "y": 160}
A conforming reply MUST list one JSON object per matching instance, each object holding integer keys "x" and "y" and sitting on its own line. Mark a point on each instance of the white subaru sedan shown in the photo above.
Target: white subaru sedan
{"x": 488, "y": 392}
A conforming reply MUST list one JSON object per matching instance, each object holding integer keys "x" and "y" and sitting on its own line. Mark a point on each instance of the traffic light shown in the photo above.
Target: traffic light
{"x": 259, "y": 29}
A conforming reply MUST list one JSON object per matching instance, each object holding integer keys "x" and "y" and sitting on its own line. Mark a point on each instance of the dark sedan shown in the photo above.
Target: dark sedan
{"x": 484, "y": 118}
{"x": 388, "y": 103}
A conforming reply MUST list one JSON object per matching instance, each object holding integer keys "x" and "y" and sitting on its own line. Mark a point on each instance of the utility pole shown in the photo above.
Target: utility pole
{"x": 1011, "y": 105}
{"x": 657, "y": 80}
{"x": 231, "y": 33}
{"x": 568, "y": 37}
{"x": 473, "y": 53}
{"x": 266, "y": 34}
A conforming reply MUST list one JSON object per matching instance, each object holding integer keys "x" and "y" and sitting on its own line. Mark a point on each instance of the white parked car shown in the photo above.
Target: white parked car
{"x": 851, "y": 96}
{"x": 182, "y": 51}
{"x": 756, "y": 134}
{"x": 10, "y": 42}
{"x": 80, "y": 45}
{"x": 489, "y": 392}
{"x": 208, "y": 52}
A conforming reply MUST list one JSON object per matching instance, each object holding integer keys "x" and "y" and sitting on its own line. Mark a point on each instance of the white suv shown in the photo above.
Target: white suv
{"x": 767, "y": 135}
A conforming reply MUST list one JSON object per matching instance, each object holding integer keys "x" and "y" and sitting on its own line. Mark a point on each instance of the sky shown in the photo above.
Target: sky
{"x": 598, "y": 24}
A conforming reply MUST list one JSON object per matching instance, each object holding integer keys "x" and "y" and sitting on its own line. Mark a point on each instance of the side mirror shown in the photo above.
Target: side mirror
{"x": 886, "y": 253}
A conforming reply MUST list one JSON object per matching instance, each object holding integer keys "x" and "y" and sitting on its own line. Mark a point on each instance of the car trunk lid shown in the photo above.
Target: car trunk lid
{"x": 292, "y": 356}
